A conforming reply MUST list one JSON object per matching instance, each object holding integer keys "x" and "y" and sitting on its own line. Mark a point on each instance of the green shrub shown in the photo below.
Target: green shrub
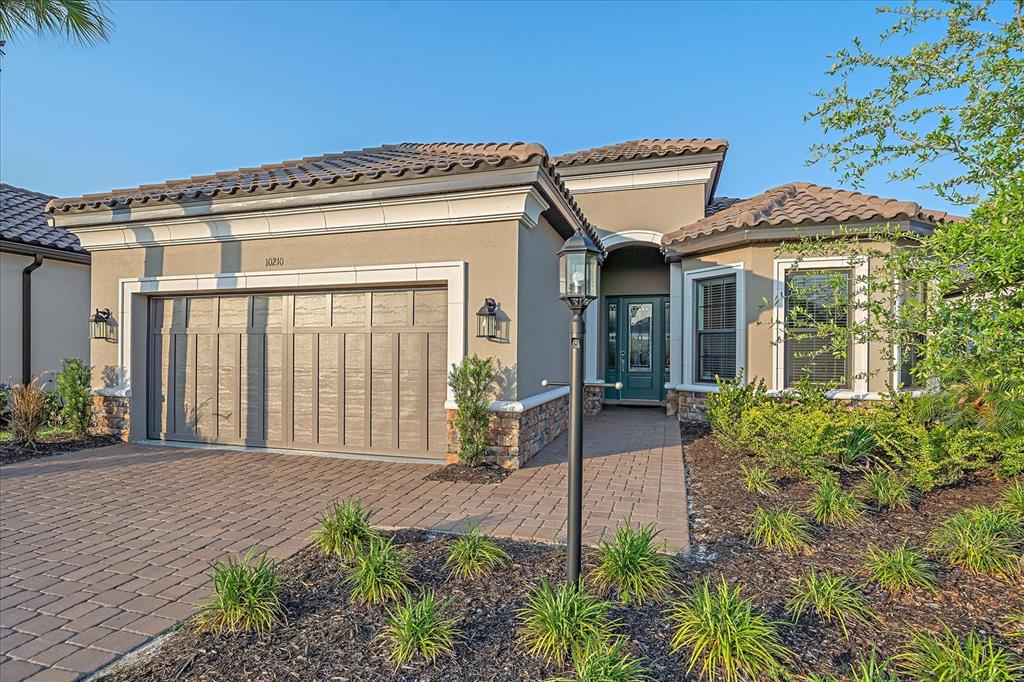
{"x": 380, "y": 573}
{"x": 1010, "y": 459}
{"x": 887, "y": 490}
{"x": 980, "y": 540}
{"x": 472, "y": 382}
{"x": 599, "y": 661}
{"x": 944, "y": 657}
{"x": 558, "y": 622}
{"x": 759, "y": 480}
{"x": 899, "y": 569}
{"x": 73, "y": 385}
{"x": 832, "y": 597}
{"x": 804, "y": 440}
{"x": 726, "y": 410}
{"x": 245, "y": 596}
{"x": 779, "y": 529}
{"x": 344, "y": 529}
{"x": 475, "y": 555}
{"x": 52, "y": 405}
{"x": 631, "y": 565}
{"x": 415, "y": 628}
{"x": 830, "y": 504}
{"x": 725, "y": 635}
{"x": 28, "y": 413}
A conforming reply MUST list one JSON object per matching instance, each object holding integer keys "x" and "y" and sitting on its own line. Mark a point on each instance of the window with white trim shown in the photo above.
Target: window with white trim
{"x": 715, "y": 329}
{"x": 816, "y": 298}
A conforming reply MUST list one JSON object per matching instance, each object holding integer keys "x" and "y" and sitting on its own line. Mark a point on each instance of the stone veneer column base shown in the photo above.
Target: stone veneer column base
{"x": 671, "y": 401}
{"x": 593, "y": 401}
{"x": 690, "y": 406}
{"x": 112, "y": 416}
{"x": 515, "y": 437}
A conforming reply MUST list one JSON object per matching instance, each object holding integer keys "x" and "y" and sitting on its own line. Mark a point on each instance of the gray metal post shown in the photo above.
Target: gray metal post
{"x": 577, "y": 330}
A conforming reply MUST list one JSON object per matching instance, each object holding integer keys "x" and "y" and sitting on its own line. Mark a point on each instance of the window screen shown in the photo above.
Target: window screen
{"x": 716, "y": 329}
{"x": 814, "y": 298}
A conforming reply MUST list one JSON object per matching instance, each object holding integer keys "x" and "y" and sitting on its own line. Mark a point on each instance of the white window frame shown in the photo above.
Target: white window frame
{"x": 859, "y": 352}
{"x": 689, "y": 337}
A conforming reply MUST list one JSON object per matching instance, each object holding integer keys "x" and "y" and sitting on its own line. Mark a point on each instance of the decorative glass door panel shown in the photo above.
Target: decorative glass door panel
{"x": 635, "y": 329}
{"x": 639, "y": 354}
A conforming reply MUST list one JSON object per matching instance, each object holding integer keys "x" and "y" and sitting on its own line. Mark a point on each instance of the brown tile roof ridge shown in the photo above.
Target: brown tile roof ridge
{"x": 646, "y": 148}
{"x": 805, "y": 203}
{"x": 23, "y": 219}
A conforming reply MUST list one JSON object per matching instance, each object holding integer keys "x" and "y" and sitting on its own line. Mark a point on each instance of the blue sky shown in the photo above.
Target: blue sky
{"x": 189, "y": 88}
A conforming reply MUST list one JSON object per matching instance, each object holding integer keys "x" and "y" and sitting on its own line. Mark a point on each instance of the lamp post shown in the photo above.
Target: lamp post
{"x": 579, "y": 276}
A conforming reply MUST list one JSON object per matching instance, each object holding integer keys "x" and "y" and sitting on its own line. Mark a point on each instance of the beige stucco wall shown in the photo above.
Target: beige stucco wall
{"x": 759, "y": 264}
{"x": 635, "y": 271}
{"x": 492, "y": 251}
{"x": 60, "y": 308}
{"x": 661, "y": 209}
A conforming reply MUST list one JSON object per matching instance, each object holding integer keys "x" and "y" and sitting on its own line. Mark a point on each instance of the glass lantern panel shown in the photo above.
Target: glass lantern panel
{"x": 593, "y": 275}
{"x": 575, "y": 274}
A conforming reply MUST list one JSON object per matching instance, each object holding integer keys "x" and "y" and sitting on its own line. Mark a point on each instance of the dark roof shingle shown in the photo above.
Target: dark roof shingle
{"x": 802, "y": 203}
{"x": 633, "y": 150}
{"x": 23, "y": 219}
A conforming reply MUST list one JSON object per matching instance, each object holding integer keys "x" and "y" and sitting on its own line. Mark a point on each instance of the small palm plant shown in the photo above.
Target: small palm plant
{"x": 726, "y": 635}
{"x": 944, "y": 657}
{"x": 981, "y": 540}
{"x": 381, "y": 573}
{"x": 759, "y": 480}
{"x": 830, "y": 504}
{"x": 415, "y": 628}
{"x": 832, "y": 597}
{"x": 780, "y": 529}
{"x": 899, "y": 569}
{"x": 245, "y": 596}
{"x": 344, "y": 529}
{"x": 599, "y": 661}
{"x": 475, "y": 555}
{"x": 632, "y": 566}
{"x": 887, "y": 491}
{"x": 558, "y": 622}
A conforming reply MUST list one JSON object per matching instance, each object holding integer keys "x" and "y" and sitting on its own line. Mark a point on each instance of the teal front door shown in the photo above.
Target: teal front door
{"x": 636, "y": 347}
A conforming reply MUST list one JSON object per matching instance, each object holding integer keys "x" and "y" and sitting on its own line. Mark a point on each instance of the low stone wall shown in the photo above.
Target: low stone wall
{"x": 593, "y": 401}
{"x": 690, "y": 406}
{"x": 671, "y": 401}
{"x": 112, "y": 415}
{"x": 515, "y": 437}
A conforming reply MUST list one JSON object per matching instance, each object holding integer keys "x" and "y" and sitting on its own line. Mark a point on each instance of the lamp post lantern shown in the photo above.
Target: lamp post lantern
{"x": 579, "y": 270}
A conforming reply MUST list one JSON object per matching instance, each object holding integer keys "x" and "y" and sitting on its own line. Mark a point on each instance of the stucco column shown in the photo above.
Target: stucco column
{"x": 675, "y": 326}
{"x": 592, "y": 339}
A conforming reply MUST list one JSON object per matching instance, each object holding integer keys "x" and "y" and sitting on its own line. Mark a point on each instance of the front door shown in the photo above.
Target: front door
{"x": 636, "y": 347}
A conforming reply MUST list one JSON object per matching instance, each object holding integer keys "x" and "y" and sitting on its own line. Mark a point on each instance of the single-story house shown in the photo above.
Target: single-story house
{"x": 44, "y": 290}
{"x": 317, "y": 304}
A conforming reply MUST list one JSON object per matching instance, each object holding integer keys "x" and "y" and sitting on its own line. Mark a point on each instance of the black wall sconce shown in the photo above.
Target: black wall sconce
{"x": 101, "y": 327}
{"x": 491, "y": 322}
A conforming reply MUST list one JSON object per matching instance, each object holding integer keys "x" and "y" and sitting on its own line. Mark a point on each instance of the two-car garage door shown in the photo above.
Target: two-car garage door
{"x": 337, "y": 371}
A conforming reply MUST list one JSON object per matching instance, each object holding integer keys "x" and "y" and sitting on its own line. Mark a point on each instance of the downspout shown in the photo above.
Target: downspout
{"x": 26, "y": 318}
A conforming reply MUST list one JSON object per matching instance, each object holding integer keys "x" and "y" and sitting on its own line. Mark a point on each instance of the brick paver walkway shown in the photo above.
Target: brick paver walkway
{"x": 102, "y": 550}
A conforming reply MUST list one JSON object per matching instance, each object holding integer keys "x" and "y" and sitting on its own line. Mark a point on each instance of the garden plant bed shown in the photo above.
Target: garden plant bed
{"x": 487, "y": 474}
{"x": 57, "y": 444}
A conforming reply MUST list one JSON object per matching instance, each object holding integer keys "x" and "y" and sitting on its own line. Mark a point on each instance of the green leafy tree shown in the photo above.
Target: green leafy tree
{"x": 84, "y": 21}
{"x": 472, "y": 382}
{"x": 73, "y": 386}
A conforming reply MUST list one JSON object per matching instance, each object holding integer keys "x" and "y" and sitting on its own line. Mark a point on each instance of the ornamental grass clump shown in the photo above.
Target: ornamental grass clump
{"x": 780, "y": 529}
{"x": 865, "y": 670}
{"x": 1012, "y": 499}
{"x": 831, "y": 505}
{"x": 475, "y": 555}
{"x": 28, "y": 413}
{"x": 245, "y": 596}
{"x": 887, "y": 491}
{"x": 832, "y": 597}
{"x": 944, "y": 657}
{"x": 599, "y": 661}
{"x": 900, "y": 569}
{"x": 759, "y": 480}
{"x": 415, "y": 629}
{"x": 982, "y": 540}
{"x": 725, "y": 635}
{"x": 558, "y": 622}
{"x": 631, "y": 565}
{"x": 344, "y": 529}
{"x": 381, "y": 573}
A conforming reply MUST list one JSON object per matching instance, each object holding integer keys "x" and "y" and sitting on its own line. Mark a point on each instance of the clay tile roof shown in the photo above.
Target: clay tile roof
{"x": 23, "y": 219}
{"x": 802, "y": 203}
{"x": 641, "y": 149}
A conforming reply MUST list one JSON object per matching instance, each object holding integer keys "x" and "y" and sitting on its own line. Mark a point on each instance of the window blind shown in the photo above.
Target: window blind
{"x": 716, "y": 329}
{"x": 816, "y": 298}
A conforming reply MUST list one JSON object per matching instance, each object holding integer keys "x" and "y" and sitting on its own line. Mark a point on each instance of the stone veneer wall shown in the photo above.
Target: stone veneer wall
{"x": 593, "y": 401}
{"x": 515, "y": 437}
{"x": 689, "y": 405}
{"x": 112, "y": 415}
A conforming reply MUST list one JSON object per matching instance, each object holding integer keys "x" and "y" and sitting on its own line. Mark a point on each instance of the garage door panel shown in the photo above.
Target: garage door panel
{"x": 355, "y": 371}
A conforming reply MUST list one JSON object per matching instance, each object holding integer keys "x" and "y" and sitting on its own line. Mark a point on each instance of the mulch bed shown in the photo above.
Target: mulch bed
{"x": 329, "y": 638}
{"x": 11, "y": 453}
{"x": 487, "y": 474}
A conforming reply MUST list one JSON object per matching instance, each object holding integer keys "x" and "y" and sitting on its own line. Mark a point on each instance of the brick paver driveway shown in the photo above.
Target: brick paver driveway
{"x": 102, "y": 550}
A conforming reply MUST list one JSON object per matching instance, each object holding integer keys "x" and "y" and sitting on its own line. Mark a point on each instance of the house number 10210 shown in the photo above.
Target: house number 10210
{"x": 275, "y": 262}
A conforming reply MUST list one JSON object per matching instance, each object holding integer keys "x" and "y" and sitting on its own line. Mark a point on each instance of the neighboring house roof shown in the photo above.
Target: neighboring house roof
{"x": 802, "y": 203}
{"x": 718, "y": 204}
{"x": 633, "y": 150}
{"x": 23, "y": 219}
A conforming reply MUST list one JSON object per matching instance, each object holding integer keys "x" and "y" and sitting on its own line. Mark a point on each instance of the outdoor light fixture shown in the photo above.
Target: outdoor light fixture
{"x": 99, "y": 324}
{"x": 487, "y": 320}
{"x": 579, "y": 272}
